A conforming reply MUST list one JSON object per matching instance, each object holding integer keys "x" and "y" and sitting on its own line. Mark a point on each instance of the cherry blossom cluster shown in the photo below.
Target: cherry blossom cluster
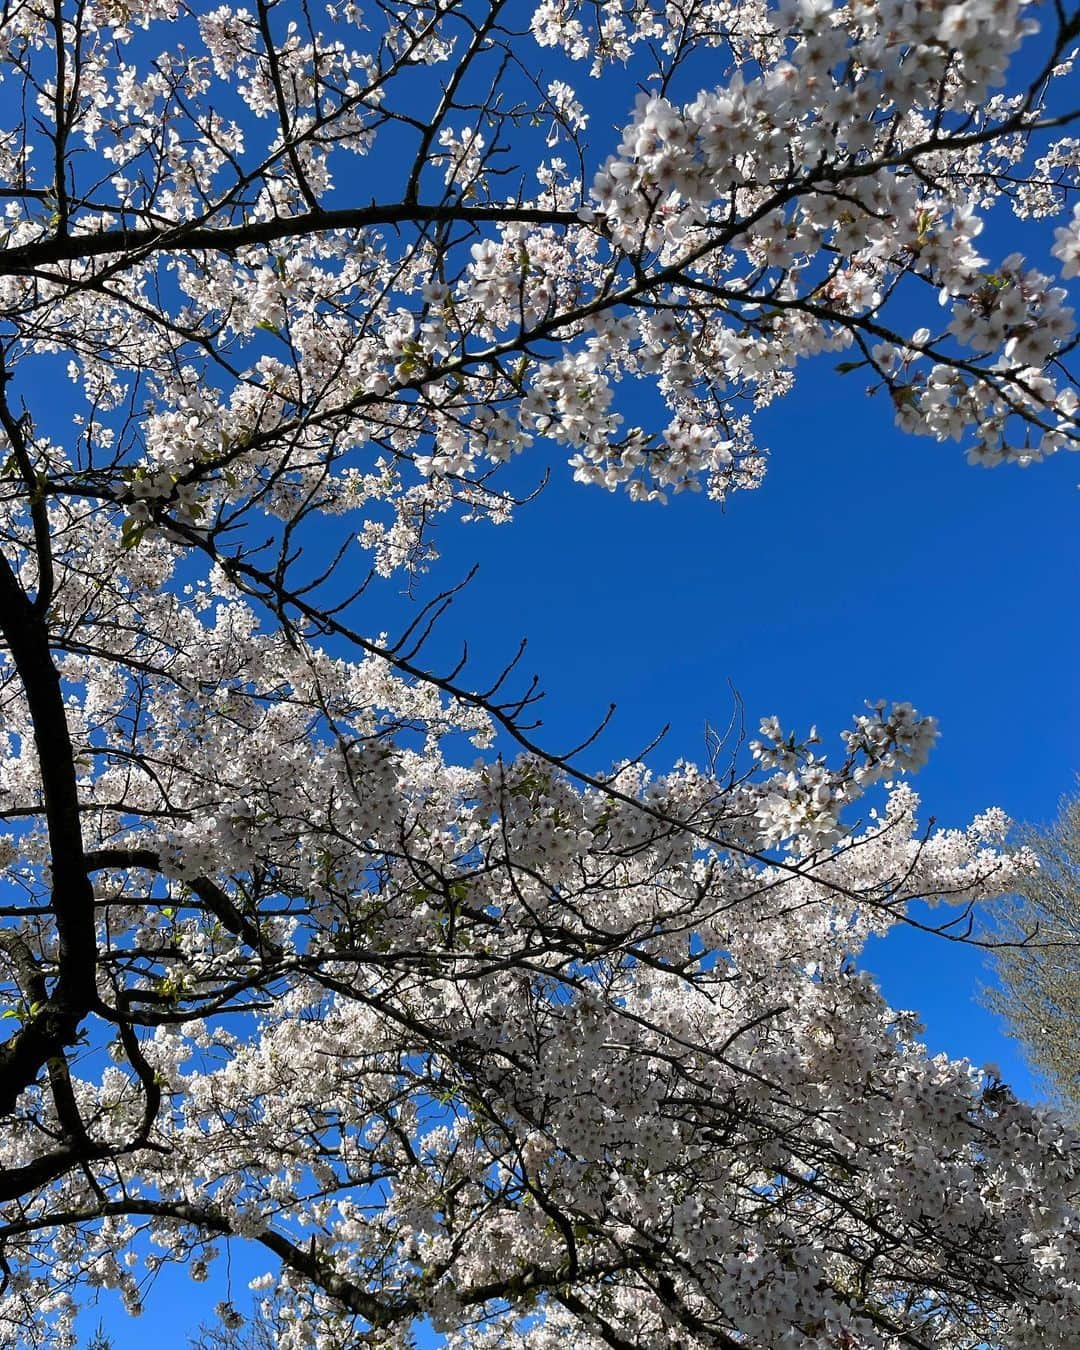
{"x": 319, "y": 350}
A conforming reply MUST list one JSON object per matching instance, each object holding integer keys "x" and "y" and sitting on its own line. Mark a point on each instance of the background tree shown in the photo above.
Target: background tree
{"x": 1038, "y": 989}
{"x": 233, "y": 1331}
{"x": 538, "y": 1054}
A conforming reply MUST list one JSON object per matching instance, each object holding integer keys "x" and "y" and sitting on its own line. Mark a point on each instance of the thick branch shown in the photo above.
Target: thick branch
{"x": 56, "y": 1024}
{"x": 229, "y": 238}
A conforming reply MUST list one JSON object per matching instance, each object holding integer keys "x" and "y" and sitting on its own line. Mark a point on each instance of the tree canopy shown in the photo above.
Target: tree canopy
{"x": 1037, "y": 958}
{"x": 308, "y": 943}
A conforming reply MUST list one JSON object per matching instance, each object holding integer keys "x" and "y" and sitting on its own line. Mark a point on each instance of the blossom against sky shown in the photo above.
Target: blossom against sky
{"x": 868, "y": 567}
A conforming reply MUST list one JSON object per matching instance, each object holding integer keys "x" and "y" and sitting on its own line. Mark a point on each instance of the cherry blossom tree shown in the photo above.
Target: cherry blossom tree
{"x": 541, "y": 1055}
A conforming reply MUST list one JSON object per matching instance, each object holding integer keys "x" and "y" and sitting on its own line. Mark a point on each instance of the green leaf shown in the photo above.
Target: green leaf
{"x": 132, "y": 531}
